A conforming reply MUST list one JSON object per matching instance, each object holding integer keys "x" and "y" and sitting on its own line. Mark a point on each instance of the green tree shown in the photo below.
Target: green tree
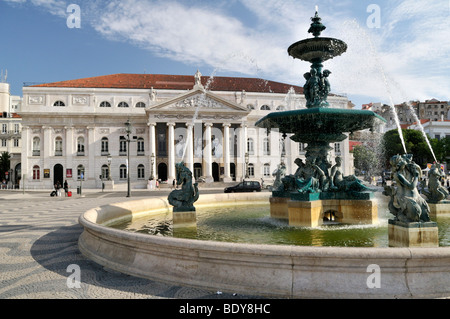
{"x": 441, "y": 149}
{"x": 415, "y": 144}
{"x": 5, "y": 162}
{"x": 366, "y": 159}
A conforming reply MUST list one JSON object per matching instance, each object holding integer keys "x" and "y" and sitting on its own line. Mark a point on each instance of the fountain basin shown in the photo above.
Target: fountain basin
{"x": 317, "y": 49}
{"x": 266, "y": 270}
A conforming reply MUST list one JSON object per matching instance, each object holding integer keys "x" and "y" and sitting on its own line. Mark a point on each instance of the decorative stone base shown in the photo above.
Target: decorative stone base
{"x": 305, "y": 214}
{"x": 184, "y": 219}
{"x": 413, "y": 234}
{"x": 440, "y": 208}
{"x": 279, "y": 207}
{"x": 109, "y": 185}
{"x": 312, "y": 213}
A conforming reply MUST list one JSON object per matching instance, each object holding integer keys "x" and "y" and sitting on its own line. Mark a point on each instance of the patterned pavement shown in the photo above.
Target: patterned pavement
{"x": 39, "y": 243}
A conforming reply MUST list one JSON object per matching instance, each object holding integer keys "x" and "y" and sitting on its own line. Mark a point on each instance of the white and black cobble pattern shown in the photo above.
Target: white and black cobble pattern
{"x": 39, "y": 241}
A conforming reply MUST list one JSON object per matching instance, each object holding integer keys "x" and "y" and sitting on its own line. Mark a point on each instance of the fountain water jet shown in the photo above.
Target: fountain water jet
{"x": 378, "y": 64}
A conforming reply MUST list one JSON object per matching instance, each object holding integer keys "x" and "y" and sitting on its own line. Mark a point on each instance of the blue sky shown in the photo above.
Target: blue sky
{"x": 398, "y": 50}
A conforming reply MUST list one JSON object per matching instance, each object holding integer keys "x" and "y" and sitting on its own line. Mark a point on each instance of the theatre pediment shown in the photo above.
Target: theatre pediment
{"x": 198, "y": 101}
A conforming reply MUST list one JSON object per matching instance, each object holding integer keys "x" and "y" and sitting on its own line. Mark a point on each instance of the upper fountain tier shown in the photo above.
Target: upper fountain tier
{"x": 317, "y": 49}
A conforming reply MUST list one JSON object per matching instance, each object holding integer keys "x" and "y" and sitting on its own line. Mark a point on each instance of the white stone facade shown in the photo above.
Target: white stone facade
{"x": 71, "y": 130}
{"x": 10, "y": 134}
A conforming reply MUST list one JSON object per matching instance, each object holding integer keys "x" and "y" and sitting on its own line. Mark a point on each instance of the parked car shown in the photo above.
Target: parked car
{"x": 246, "y": 186}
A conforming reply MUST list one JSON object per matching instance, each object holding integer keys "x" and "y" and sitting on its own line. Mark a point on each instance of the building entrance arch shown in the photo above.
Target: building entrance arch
{"x": 162, "y": 171}
{"x": 58, "y": 174}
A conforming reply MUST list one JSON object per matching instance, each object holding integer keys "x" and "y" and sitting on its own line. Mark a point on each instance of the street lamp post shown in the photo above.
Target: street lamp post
{"x": 128, "y": 130}
{"x": 109, "y": 158}
{"x": 152, "y": 159}
{"x": 247, "y": 160}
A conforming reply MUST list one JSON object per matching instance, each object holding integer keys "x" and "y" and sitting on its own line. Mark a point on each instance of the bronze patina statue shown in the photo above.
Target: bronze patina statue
{"x": 436, "y": 192}
{"x": 183, "y": 199}
{"x": 406, "y": 204}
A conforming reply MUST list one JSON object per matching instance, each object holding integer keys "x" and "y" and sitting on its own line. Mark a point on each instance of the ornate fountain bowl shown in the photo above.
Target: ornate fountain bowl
{"x": 320, "y": 124}
{"x": 317, "y": 49}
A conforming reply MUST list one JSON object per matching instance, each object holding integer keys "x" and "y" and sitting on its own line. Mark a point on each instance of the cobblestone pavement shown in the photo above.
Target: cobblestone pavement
{"x": 39, "y": 240}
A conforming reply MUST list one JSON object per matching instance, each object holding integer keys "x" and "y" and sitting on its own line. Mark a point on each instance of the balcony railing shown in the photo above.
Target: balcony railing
{"x": 36, "y": 153}
{"x": 58, "y": 153}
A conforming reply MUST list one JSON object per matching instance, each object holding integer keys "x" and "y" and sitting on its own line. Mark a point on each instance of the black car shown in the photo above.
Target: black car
{"x": 246, "y": 186}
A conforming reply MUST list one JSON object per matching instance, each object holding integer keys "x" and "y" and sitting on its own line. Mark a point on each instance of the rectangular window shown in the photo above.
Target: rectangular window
{"x": 4, "y": 128}
{"x": 16, "y": 142}
{"x": 337, "y": 147}
{"x": 122, "y": 146}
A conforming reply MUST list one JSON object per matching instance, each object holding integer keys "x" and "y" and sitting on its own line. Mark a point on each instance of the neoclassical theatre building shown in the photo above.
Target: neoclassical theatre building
{"x": 76, "y": 130}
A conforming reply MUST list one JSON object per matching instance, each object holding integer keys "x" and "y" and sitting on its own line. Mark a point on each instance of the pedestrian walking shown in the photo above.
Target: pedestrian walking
{"x": 174, "y": 184}
{"x": 66, "y": 188}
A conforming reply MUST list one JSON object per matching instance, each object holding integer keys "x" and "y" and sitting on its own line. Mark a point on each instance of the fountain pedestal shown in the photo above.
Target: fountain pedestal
{"x": 311, "y": 213}
{"x": 414, "y": 234}
{"x": 186, "y": 219}
{"x": 440, "y": 208}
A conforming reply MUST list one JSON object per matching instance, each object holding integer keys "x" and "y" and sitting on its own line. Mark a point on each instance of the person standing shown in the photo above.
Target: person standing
{"x": 66, "y": 188}
{"x": 58, "y": 189}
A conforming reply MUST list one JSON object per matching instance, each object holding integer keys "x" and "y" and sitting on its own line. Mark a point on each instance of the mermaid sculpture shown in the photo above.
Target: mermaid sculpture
{"x": 406, "y": 204}
{"x": 183, "y": 199}
{"x": 436, "y": 192}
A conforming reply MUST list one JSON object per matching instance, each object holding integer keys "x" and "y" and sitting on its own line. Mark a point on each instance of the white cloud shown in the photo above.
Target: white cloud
{"x": 411, "y": 48}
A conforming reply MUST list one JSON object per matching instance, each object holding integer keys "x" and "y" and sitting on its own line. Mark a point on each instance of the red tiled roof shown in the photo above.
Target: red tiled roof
{"x": 13, "y": 115}
{"x": 175, "y": 82}
{"x": 353, "y": 144}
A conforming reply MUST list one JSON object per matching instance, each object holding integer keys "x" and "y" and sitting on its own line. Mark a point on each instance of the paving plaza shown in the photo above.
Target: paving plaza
{"x": 39, "y": 252}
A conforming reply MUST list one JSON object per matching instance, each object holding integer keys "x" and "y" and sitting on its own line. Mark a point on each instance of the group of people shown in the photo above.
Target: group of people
{"x": 153, "y": 184}
{"x": 58, "y": 187}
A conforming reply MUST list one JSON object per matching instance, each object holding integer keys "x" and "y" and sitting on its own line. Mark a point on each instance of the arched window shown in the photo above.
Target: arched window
{"x": 80, "y": 146}
{"x": 250, "y": 107}
{"x": 123, "y": 171}
{"x": 251, "y": 170}
{"x": 123, "y": 104}
{"x": 140, "y": 104}
{"x": 250, "y": 146}
{"x": 266, "y": 170}
{"x": 36, "y": 172}
{"x": 141, "y": 171}
{"x": 105, "y": 104}
{"x": 105, "y": 146}
{"x": 266, "y": 146}
{"x": 280, "y": 108}
{"x": 58, "y": 146}
{"x": 36, "y": 146}
{"x": 59, "y": 103}
{"x": 105, "y": 171}
{"x": 265, "y": 107}
{"x": 80, "y": 173}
